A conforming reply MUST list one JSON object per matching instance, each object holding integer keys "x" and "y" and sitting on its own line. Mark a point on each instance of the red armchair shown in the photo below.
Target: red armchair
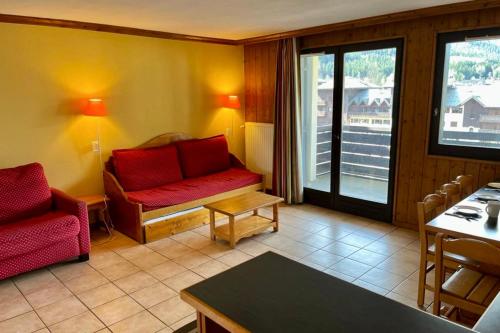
{"x": 39, "y": 226}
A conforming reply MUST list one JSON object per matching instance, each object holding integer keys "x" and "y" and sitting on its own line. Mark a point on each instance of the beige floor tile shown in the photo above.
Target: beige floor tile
{"x": 312, "y": 265}
{"x": 341, "y": 249}
{"x": 165, "y": 330}
{"x": 120, "y": 241}
{"x": 48, "y": 295}
{"x": 153, "y": 295}
{"x": 252, "y": 247}
{"x": 69, "y": 271}
{"x": 396, "y": 239}
{"x": 218, "y": 249}
{"x": 134, "y": 251}
{"x": 33, "y": 281}
{"x": 398, "y": 266}
{"x": 13, "y": 306}
{"x": 192, "y": 239}
{"x": 334, "y": 233}
{"x": 368, "y": 257}
{"x": 59, "y": 311}
{"x": 103, "y": 259}
{"x": 135, "y": 282}
{"x": 175, "y": 250}
{"x": 409, "y": 288}
{"x": 316, "y": 240}
{"x": 383, "y": 248}
{"x": 183, "y": 280}
{"x": 172, "y": 310}
{"x": 351, "y": 267}
{"x": 160, "y": 244}
{"x": 43, "y": 330}
{"x": 148, "y": 260}
{"x": 26, "y": 323}
{"x": 100, "y": 295}
{"x": 192, "y": 259}
{"x": 104, "y": 330}
{"x": 323, "y": 258}
{"x": 299, "y": 250}
{"x": 402, "y": 299}
{"x": 117, "y": 310}
{"x": 119, "y": 270}
{"x": 278, "y": 241}
{"x": 210, "y": 268}
{"x": 166, "y": 270}
{"x": 82, "y": 323}
{"x": 356, "y": 240}
{"x": 234, "y": 258}
{"x": 371, "y": 287}
{"x": 86, "y": 282}
{"x": 382, "y": 278}
{"x": 183, "y": 321}
{"x": 143, "y": 322}
{"x": 8, "y": 290}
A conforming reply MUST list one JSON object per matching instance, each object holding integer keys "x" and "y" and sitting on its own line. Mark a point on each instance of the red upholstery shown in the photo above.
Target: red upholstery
{"x": 194, "y": 188}
{"x": 37, "y": 232}
{"x": 24, "y": 192}
{"x": 51, "y": 230}
{"x": 140, "y": 169}
{"x": 201, "y": 157}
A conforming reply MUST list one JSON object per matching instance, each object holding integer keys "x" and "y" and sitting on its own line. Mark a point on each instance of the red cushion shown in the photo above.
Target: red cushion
{"x": 201, "y": 157}
{"x": 31, "y": 234}
{"x": 194, "y": 188}
{"x": 24, "y": 192}
{"x": 140, "y": 169}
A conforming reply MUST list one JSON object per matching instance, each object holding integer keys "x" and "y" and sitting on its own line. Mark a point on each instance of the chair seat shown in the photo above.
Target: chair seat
{"x": 462, "y": 282}
{"x": 31, "y": 234}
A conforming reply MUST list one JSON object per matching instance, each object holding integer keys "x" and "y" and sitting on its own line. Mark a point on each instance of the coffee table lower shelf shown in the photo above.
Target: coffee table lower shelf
{"x": 245, "y": 227}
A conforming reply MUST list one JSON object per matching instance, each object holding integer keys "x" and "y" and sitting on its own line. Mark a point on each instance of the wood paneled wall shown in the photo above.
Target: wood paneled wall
{"x": 417, "y": 172}
{"x": 260, "y": 79}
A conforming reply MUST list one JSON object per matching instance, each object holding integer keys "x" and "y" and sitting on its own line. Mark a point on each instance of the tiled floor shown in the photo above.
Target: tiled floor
{"x": 128, "y": 287}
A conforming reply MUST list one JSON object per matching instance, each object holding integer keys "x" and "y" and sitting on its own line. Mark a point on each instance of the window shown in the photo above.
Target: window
{"x": 465, "y": 122}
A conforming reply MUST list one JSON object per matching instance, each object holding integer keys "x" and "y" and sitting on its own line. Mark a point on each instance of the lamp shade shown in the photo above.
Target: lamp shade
{"x": 232, "y": 101}
{"x": 95, "y": 107}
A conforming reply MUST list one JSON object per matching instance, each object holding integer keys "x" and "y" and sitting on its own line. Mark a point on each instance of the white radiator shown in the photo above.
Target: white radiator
{"x": 259, "y": 149}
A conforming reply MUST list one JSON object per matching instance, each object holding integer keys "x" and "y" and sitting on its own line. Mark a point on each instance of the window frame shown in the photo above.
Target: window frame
{"x": 435, "y": 148}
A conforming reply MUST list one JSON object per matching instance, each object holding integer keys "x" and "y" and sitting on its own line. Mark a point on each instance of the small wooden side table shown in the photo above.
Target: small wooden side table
{"x": 98, "y": 204}
{"x": 246, "y": 226}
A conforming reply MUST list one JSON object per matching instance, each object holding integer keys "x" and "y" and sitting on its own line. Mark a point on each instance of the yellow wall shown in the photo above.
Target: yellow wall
{"x": 150, "y": 86}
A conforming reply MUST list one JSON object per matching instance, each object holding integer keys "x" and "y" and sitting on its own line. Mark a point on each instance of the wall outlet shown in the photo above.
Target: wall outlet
{"x": 96, "y": 147}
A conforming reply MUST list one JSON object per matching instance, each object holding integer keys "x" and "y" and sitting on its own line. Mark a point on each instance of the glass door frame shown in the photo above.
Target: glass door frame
{"x": 333, "y": 199}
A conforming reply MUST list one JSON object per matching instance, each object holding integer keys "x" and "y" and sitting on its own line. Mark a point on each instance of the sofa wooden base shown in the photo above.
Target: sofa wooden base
{"x": 171, "y": 226}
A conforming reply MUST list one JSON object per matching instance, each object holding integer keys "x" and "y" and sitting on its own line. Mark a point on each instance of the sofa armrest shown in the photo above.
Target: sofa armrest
{"x": 62, "y": 201}
{"x": 235, "y": 162}
{"x": 126, "y": 215}
{"x": 70, "y": 205}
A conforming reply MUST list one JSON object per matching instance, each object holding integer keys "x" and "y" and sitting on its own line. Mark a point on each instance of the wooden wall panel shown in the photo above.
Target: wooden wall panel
{"x": 260, "y": 79}
{"x": 417, "y": 172}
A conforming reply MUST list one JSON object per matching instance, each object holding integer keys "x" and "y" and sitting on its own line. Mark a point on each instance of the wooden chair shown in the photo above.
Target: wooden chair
{"x": 430, "y": 207}
{"x": 468, "y": 288}
{"x": 466, "y": 185}
{"x": 452, "y": 193}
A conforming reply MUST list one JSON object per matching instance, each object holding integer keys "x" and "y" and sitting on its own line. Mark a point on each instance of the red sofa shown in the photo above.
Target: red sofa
{"x": 152, "y": 183}
{"x": 39, "y": 226}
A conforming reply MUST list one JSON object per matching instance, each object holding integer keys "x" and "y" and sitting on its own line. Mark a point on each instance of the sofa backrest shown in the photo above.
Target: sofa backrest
{"x": 201, "y": 157}
{"x": 24, "y": 192}
{"x": 143, "y": 168}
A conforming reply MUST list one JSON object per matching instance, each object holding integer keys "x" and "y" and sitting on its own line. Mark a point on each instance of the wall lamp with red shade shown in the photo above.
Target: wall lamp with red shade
{"x": 232, "y": 102}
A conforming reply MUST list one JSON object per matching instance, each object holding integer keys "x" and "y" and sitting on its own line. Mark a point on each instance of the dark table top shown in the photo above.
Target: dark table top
{"x": 271, "y": 293}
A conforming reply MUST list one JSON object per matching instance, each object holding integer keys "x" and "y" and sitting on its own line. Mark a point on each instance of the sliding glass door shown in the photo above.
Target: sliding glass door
{"x": 350, "y": 98}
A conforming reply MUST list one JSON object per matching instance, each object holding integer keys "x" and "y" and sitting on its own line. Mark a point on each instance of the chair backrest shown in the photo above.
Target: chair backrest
{"x": 474, "y": 249}
{"x": 432, "y": 205}
{"x": 466, "y": 183}
{"x": 452, "y": 192}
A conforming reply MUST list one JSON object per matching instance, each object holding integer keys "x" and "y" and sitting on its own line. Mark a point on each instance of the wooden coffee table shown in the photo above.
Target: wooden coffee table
{"x": 237, "y": 229}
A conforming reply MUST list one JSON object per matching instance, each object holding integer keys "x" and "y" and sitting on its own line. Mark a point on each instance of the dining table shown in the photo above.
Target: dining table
{"x": 481, "y": 227}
